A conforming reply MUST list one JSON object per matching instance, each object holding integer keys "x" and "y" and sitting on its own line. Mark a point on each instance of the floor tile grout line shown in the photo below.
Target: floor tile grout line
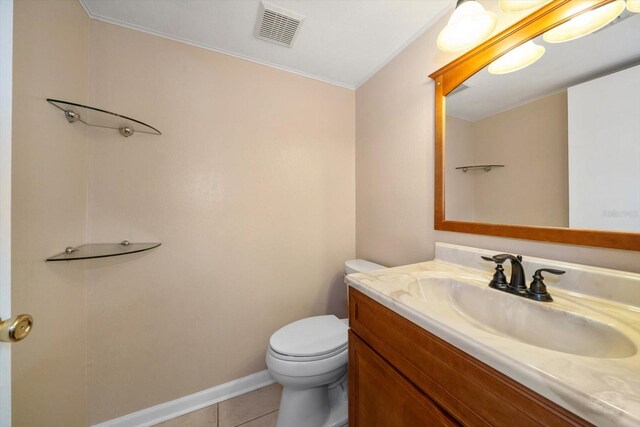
{"x": 263, "y": 415}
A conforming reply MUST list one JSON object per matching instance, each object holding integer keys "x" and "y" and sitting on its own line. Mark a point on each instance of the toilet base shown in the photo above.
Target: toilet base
{"x": 338, "y": 417}
{"x": 314, "y": 407}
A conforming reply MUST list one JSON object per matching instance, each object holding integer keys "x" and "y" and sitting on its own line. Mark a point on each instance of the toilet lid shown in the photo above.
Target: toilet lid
{"x": 312, "y": 336}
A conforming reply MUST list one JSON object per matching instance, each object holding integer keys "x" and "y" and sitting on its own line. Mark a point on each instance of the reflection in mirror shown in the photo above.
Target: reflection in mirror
{"x": 566, "y": 129}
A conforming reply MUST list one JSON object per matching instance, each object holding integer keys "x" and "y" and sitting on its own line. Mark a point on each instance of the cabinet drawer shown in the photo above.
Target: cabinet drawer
{"x": 472, "y": 392}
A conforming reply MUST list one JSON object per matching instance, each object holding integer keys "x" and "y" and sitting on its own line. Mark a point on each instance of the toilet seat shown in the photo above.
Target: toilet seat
{"x": 298, "y": 367}
{"x": 312, "y": 347}
{"x": 313, "y": 338}
{"x": 287, "y": 357}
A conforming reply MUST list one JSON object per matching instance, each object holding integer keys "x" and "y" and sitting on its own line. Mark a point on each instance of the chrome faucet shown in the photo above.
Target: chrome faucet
{"x": 517, "y": 284}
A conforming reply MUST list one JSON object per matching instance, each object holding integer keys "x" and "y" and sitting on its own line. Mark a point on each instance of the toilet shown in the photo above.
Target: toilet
{"x": 309, "y": 359}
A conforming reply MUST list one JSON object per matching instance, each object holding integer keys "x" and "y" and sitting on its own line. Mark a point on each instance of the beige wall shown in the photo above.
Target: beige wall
{"x": 251, "y": 191}
{"x": 49, "y": 212}
{"x": 532, "y": 188}
{"x": 394, "y": 167}
{"x": 460, "y": 188}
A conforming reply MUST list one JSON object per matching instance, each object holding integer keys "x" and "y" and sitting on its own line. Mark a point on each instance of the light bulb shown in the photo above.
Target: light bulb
{"x": 633, "y": 6}
{"x": 514, "y": 6}
{"x": 517, "y": 59}
{"x": 585, "y": 23}
{"x": 468, "y": 26}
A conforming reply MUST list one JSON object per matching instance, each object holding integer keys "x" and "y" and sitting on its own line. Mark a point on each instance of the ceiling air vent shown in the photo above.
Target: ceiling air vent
{"x": 458, "y": 89}
{"x": 277, "y": 25}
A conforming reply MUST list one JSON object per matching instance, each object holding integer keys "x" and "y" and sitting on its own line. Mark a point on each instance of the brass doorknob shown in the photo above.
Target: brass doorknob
{"x": 16, "y": 328}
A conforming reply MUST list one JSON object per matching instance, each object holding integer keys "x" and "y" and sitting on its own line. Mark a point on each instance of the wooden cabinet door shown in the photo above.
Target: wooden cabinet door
{"x": 379, "y": 396}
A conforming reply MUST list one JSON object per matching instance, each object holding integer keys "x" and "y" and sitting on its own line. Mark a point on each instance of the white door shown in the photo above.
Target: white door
{"x": 11, "y": 328}
{"x": 6, "y": 63}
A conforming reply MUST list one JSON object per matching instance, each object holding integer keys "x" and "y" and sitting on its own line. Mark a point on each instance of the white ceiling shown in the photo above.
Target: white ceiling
{"x": 612, "y": 48}
{"x": 340, "y": 41}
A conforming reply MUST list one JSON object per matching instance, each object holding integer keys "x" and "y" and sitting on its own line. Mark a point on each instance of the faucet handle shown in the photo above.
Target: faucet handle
{"x": 538, "y": 290}
{"x": 499, "y": 280}
{"x": 500, "y": 258}
{"x": 549, "y": 270}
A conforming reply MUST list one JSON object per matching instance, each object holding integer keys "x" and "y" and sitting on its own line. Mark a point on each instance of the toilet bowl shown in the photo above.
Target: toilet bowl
{"x": 309, "y": 359}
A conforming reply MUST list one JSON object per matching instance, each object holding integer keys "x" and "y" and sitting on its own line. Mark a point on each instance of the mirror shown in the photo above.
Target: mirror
{"x": 564, "y": 132}
{"x": 550, "y": 149}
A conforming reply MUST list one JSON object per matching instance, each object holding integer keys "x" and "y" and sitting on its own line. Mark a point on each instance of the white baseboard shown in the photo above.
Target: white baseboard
{"x": 166, "y": 411}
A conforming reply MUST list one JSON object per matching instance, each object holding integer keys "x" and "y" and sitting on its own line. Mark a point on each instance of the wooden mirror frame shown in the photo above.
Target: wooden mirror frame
{"x": 450, "y": 76}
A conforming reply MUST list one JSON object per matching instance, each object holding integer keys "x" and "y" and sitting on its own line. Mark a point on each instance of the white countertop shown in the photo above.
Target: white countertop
{"x": 604, "y": 390}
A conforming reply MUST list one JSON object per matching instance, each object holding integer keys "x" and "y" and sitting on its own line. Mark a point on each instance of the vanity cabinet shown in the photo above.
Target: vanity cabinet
{"x": 402, "y": 375}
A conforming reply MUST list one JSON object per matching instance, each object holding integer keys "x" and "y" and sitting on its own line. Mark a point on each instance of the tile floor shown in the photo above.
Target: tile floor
{"x": 258, "y": 408}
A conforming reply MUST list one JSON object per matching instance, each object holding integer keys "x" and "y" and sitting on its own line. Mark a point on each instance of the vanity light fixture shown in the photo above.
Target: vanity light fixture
{"x": 633, "y": 6}
{"x": 515, "y": 6}
{"x": 517, "y": 59}
{"x": 585, "y": 23}
{"x": 469, "y": 25}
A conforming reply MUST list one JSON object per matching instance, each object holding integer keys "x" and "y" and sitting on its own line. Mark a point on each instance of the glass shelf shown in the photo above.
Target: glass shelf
{"x": 486, "y": 168}
{"x": 91, "y": 116}
{"x": 102, "y": 250}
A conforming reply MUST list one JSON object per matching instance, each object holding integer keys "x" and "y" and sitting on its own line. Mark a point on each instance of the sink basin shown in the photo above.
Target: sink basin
{"x": 534, "y": 323}
{"x": 540, "y": 324}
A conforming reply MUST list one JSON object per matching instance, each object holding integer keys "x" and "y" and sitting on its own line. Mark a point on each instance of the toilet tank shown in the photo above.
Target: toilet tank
{"x": 361, "y": 266}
